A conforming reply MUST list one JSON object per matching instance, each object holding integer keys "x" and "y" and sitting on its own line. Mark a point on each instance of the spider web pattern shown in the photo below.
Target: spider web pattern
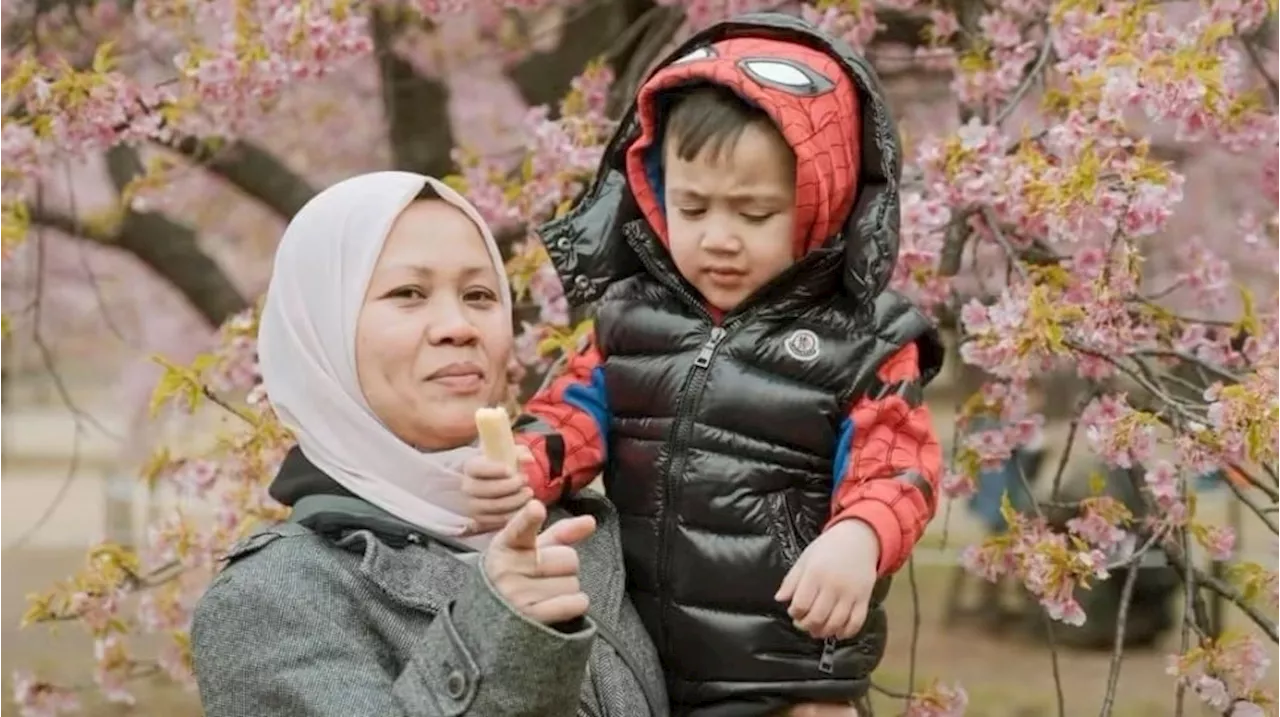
{"x": 892, "y": 478}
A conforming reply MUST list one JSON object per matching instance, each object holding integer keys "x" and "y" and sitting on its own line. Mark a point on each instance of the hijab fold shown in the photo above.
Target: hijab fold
{"x": 307, "y": 350}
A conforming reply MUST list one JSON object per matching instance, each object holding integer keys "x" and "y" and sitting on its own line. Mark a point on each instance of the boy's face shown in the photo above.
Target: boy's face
{"x": 730, "y": 214}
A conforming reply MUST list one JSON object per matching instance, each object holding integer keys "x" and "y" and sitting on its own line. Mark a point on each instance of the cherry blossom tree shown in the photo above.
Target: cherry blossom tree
{"x": 1047, "y": 224}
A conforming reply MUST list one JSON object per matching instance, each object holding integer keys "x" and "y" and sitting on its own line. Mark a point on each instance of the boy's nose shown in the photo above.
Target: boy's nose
{"x": 720, "y": 239}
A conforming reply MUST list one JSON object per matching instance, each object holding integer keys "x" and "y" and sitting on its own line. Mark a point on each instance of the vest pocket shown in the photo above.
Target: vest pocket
{"x": 783, "y": 527}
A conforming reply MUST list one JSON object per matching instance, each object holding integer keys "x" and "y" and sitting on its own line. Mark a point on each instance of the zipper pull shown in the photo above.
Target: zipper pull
{"x": 709, "y": 348}
{"x": 827, "y": 664}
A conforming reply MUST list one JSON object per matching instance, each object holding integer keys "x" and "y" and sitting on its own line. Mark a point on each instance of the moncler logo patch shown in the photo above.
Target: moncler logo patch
{"x": 802, "y": 345}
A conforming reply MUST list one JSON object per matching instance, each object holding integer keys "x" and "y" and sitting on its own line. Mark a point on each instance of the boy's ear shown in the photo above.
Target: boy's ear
{"x": 587, "y": 245}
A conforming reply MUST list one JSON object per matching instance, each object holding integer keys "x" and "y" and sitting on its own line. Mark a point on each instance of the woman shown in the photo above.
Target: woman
{"x": 387, "y": 324}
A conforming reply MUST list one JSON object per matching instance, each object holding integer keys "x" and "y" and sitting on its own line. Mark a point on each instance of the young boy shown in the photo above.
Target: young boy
{"x": 751, "y": 392}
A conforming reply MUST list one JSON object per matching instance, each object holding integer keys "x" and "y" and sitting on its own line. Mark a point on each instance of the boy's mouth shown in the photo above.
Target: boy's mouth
{"x": 724, "y": 278}
{"x": 725, "y": 272}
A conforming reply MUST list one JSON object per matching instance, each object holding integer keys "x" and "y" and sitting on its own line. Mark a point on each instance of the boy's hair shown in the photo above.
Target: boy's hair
{"x": 706, "y": 115}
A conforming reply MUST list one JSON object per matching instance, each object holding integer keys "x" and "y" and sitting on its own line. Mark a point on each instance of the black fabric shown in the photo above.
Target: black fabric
{"x": 723, "y": 438}
{"x": 722, "y": 471}
{"x": 298, "y": 477}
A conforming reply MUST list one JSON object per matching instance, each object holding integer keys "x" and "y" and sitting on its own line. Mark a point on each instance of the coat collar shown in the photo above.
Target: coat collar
{"x": 426, "y": 570}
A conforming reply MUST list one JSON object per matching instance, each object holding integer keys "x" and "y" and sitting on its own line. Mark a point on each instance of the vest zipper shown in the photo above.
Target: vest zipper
{"x": 680, "y": 432}
{"x": 827, "y": 663}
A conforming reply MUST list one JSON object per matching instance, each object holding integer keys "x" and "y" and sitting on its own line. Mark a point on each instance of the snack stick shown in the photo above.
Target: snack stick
{"x": 496, "y": 440}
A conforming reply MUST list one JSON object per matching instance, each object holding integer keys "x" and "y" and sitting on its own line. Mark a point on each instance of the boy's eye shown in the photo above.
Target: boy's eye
{"x": 692, "y": 212}
{"x": 757, "y": 218}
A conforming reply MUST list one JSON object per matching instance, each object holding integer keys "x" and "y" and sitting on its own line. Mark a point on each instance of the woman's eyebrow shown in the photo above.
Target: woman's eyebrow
{"x": 427, "y": 271}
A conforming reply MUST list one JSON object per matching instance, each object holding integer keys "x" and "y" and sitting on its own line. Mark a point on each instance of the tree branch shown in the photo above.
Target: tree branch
{"x": 416, "y": 108}
{"x": 639, "y": 49}
{"x": 589, "y": 30}
{"x": 168, "y": 248}
{"x": 252, "y": 169}
{"x": 900, "y": 28}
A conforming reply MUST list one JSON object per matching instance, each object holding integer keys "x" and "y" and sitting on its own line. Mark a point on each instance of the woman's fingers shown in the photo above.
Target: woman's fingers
{"x": 560, "y": 608}
{"x": 557, "y": 561}
{"x": 568, "y": 532}
{"x": 538, "y": 573}
{"x": 520, "y": 535}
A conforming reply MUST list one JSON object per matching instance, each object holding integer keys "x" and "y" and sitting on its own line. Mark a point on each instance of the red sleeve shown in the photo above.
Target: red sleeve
{"x": 566, "y": 427}
{"x": 888, "y": 472}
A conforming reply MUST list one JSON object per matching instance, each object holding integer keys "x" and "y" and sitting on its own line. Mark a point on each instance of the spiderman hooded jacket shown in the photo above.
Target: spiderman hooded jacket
{"x": 728, "y": 443}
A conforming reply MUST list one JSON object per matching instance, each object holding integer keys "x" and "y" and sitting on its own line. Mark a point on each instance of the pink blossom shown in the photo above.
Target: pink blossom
{"x": 1219, "y": 540}
{"x": 958, "y": 486}
{"x": 41, "y": 699}
{"x": 939, "y": 701}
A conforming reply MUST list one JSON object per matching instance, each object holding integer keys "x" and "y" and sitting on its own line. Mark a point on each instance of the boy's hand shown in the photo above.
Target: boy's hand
{"x": 494, "y": 492}
{"x": 830, "y": 586}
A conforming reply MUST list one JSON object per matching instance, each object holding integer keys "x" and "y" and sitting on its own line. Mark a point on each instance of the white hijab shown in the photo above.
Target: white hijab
{"x": 307, "y": 350}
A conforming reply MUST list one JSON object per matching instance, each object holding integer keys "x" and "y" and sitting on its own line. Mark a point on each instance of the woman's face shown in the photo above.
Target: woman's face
{"x": 433, "y": 339}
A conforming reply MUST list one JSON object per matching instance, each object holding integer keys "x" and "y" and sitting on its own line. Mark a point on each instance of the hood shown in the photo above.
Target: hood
{"x": 848, "y": 220}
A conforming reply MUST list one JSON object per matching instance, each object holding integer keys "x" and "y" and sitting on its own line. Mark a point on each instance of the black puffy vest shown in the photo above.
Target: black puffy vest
{"x": 721, "y": 454}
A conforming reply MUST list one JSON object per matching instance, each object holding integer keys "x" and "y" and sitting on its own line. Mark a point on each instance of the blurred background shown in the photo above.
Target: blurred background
{"x": 144, "y": 249}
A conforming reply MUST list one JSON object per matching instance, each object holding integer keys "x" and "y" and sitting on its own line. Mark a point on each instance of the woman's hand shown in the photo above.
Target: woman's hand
{"x": 538, "y": 573}
{"x": 494, "y": 492}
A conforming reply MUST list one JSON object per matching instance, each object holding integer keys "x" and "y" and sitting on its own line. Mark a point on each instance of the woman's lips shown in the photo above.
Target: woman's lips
{"x": 463, "y": 377}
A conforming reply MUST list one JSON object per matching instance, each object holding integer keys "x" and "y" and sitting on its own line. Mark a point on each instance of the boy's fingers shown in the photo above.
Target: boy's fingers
{"x": 486, "y": 468}
{"x": 505, "y": 505}
{"x": 523, "y": 454}
{"x": 788, "y": 587}
{"x": 820, "y": 612}
{"x": 839, "y": 617}
{"x": 490, "y": 523}
{"x": 806, "y": 593}
{"x": 854, "y": 624}
{"x": 490, "y": 488}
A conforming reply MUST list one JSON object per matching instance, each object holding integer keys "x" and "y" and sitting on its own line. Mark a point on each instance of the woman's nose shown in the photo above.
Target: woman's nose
{"x": 451, "y": 326}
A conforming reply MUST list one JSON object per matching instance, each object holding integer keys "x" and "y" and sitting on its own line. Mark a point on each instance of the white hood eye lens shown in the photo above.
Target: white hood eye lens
{"x": 702, "y": 53}
{"x": 787, "y": 75}
{"x": 779, "y": 73}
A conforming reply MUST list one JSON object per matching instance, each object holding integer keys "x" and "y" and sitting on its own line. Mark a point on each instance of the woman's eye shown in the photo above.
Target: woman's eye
{"x": 480, "y": 295}
{"x": 407, "y": 292}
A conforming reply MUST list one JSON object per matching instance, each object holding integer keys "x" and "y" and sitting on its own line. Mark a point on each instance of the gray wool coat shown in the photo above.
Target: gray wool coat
{"x": 301, "y": 625}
